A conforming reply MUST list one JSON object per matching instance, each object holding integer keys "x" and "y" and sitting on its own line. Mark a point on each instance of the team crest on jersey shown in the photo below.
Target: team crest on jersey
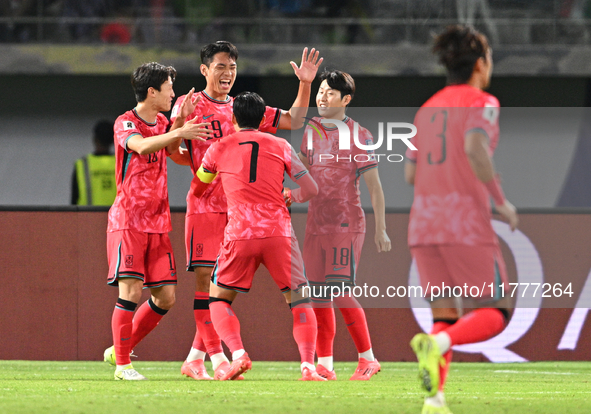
{"x": 127, "y": 125}
{"x": 199, "y": 250}
{"x": 129, "y": 260}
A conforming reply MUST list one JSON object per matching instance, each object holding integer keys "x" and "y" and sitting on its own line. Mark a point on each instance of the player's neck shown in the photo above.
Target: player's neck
{"x": 215, "y": 95}
{"x": 476, "y": 82}
{"x": 339, "y": 115}
{"x": 147, "y": 112}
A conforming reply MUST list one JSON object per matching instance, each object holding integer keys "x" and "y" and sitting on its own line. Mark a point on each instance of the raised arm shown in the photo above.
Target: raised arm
{"x": 306, "y": 73}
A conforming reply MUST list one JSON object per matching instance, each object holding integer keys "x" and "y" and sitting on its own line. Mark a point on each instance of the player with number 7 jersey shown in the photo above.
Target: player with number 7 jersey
{"x": 251, "y": 165}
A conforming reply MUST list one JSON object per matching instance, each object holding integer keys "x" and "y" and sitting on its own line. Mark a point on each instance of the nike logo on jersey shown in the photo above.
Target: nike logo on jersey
{"x": 208, "y": 116}
{"x": 208, "y": 322}
{"x": 336, "y": 269}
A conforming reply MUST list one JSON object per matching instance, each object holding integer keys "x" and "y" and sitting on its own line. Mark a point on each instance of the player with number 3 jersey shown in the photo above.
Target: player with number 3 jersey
{"x": 450, "y": 232}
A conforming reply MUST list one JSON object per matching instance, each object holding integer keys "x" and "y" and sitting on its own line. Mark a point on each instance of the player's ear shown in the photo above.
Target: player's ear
{"x": 203, "y": 68}
{"x": 262, "y": 120}
{"x": 347, "y": 99}
{"x": 235, "y": 123}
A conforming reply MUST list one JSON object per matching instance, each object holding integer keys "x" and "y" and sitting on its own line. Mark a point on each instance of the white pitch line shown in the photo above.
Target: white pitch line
{"x": 533, "y": 372}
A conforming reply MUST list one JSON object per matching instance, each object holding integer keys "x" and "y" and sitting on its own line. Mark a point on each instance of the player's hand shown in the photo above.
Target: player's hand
{"x": 509, "y": 213}
{"x": 189, "y": 104}
{"x": 287, "y": 196}
{"x": 307, "y": 70}
{"x": 383, "y": 241}
{"x": 199, "y": 132}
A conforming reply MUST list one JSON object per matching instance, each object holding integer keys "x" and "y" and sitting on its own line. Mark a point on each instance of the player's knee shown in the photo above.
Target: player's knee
{"x": 164, "y": 302}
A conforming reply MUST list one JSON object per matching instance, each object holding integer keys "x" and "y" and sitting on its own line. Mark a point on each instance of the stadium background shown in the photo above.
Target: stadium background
{"x": 57, "y": 80}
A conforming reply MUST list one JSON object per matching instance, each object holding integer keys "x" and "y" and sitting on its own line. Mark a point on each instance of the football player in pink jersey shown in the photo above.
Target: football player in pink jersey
{"x": 450, "y": 232}
{"x": 139, "y": 250}
{"x": 207, "y": 216}
{"x": 251, "y": 165}
{"x": 335, "y": 227}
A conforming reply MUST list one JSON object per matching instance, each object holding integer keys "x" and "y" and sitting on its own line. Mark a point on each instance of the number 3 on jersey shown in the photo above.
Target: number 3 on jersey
{"x": 254, "y": 155}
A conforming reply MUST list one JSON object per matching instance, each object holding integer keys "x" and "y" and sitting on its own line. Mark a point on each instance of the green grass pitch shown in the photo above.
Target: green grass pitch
{"x": 272, "y": 387}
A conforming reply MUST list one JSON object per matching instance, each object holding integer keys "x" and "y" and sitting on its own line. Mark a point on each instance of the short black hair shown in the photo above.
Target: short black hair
{"x": 249, "y": 109}
{"x": 212, "y": 49}
{"x": 341, "y": 81}
{"x": 103, "y": 133}
{"x": 458, "y": 48}
{"x": 150, "y": 75}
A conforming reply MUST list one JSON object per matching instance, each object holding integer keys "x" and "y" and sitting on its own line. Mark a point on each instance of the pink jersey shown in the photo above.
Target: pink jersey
{"x": 219, "y": 114}
{"x": 337, "y": 207}
{"x": 142, "y": 192}
{"x": 451, "y": 206}
{"x": 251, "y": 166}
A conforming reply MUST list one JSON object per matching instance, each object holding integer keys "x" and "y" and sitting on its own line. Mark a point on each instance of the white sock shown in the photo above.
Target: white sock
{"x": 238, "y": 354}
{"x": 217, "y": 359}
{"x": 326, "y": 362}
{"x": 443, "y": 341}
{"x": 438, "y": 400}
{"x": 195, "y": 354}
{"x": 367, "y": 355}
{"x": 307, "y": 365}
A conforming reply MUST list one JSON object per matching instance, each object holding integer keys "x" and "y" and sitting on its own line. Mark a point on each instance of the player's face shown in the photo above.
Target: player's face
{"x": 220, "y": 75}
{"x": 165, "y": 96}
{"x": 329, "y": 101}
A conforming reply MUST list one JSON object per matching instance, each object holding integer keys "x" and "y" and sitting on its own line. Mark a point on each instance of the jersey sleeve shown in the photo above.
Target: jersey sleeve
{"x": 272, "y": 117}
{"x": 124, "y": 129}
{"x": 483, "y": 116}
{"x": 294, "y": 166}
{"x": 209, "y": 164}
{"x": 364, "y": 159}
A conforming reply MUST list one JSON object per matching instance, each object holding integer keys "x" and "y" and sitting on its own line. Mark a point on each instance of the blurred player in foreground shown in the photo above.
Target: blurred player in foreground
{"x": 139, "y": 250}
{"x": 207, "y": 216}
{"x": 450, "y": 233}
{"x": 335, "y": 227}
{"x": 251, "y": 165}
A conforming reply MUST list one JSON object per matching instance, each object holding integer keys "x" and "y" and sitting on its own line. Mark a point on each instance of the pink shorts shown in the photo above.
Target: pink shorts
{"x": 144, "y": 256}
{"x": 463, "y": 266}
{"x": 332, "y": 258}
{"x": 204, "y": 235}
{"x": 239, "y": 260}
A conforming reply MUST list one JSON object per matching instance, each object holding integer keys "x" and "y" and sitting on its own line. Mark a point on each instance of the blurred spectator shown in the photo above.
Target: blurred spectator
{"x": 85, "y": 9}
{"x": 296, "y": 8}
{"x": 93, "y": 179}
{"x": 116, "y": 32}
{"x": 24, "y": 32}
